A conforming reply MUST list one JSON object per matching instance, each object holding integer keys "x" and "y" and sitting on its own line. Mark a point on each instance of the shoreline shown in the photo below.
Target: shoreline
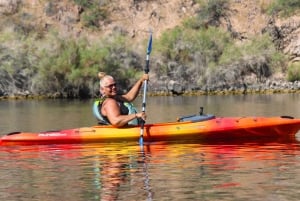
{"x": 165, "y": 93}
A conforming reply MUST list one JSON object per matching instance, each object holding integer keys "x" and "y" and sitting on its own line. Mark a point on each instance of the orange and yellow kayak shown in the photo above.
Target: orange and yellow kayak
{"x": 208, "y": 130}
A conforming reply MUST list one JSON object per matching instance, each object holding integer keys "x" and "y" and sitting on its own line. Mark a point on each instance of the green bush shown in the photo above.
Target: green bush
{"x": 294, "y": 72}
{"x": 178, "y": 44}
{"x": 68, "y": 66}
{"x": 257, "y": 46}
{"x": 284, "y": 7}
{"x": 205, "y": 53}
{"x": 92, "y": 17}
{"x": 94, "y": 11}
{"x": 210, "y": 13}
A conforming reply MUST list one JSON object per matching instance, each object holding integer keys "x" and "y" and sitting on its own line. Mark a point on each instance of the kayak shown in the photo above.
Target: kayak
{"x": 203, "y": 128}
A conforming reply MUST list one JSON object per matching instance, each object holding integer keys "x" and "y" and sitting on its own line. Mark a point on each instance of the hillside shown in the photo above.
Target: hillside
{"x": 244, "y": 20}
{"x": 136, "y": 18}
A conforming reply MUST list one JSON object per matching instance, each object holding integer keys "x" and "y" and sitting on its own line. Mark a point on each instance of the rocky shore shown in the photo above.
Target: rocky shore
{"x": 270, "y": 87}
{"x": 175, "y": 89}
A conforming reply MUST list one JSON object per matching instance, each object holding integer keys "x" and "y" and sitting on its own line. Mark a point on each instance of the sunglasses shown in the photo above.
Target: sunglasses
{"x": 111, "y": 85}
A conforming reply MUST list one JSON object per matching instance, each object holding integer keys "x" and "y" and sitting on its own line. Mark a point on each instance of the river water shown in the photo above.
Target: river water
{"x": 161, "y": 171}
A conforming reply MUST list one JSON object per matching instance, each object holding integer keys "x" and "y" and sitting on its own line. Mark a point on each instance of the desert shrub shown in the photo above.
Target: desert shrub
{"x": 294, "y": 72}
{"x": 258, "y": 56}
{"x": 179, "y": 44}
{"x": 187, "y": 53}
{"x": 284, "y": 8}
{"x": 209, "y": 54}
{"x": 69, "y": 67}
{"x": 261, "y": 45}
{"x": 94, "y": 11}
{"x": 209, "y": 14}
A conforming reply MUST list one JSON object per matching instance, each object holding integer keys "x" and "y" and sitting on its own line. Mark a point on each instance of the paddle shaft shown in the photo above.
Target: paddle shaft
{"x": 144, "y": 101}
{"x": 145, "y": 87}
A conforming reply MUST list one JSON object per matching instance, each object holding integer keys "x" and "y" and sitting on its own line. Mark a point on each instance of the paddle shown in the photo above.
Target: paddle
{"x": 149, "y": 49}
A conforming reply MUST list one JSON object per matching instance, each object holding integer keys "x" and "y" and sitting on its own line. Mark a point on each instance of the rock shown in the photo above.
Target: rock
{"x": 286, "y": 34}
{"x": 175, "y": 87}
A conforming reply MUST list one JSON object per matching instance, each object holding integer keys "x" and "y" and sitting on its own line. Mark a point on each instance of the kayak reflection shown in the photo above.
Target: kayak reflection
{"x": 121, "y": 171}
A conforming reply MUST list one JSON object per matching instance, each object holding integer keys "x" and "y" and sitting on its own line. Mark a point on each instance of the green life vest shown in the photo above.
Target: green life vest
{"x": 103, "y": 120}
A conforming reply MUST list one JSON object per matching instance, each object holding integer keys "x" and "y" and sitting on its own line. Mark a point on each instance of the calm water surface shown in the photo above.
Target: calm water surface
{"x": 177, "y": 171}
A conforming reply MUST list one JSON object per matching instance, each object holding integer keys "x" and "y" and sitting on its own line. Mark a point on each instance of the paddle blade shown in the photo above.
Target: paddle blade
{"x": 149, "y": 49}
{"x": 141, "y": 141}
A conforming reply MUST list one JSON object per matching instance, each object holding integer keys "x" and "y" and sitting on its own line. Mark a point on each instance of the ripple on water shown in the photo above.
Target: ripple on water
{"x": 253, "y": 171}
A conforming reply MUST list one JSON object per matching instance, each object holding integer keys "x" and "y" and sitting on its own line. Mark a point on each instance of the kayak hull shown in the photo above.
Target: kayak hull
{"x": 217, "y": 129}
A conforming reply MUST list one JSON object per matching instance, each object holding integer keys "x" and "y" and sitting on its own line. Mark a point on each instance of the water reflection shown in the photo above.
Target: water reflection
{"x": 159, "y": 172}
{"x": 179, "y": 171}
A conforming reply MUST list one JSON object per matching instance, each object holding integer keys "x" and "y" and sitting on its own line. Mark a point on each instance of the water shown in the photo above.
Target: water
{"x": 163, "y": 172}
{"x": 41, "y": 115}
{"x": 121, "y": 171}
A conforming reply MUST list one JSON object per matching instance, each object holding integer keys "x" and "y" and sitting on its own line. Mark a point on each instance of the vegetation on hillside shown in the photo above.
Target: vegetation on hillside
{"x": 94, "y": 11}
{"x": 199, "y": 53}
{"x": 202, "y": 53}
{"x": 284, "y": 7}
{"x": 67, "y": 67}
{"x": 294, "y": 72}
